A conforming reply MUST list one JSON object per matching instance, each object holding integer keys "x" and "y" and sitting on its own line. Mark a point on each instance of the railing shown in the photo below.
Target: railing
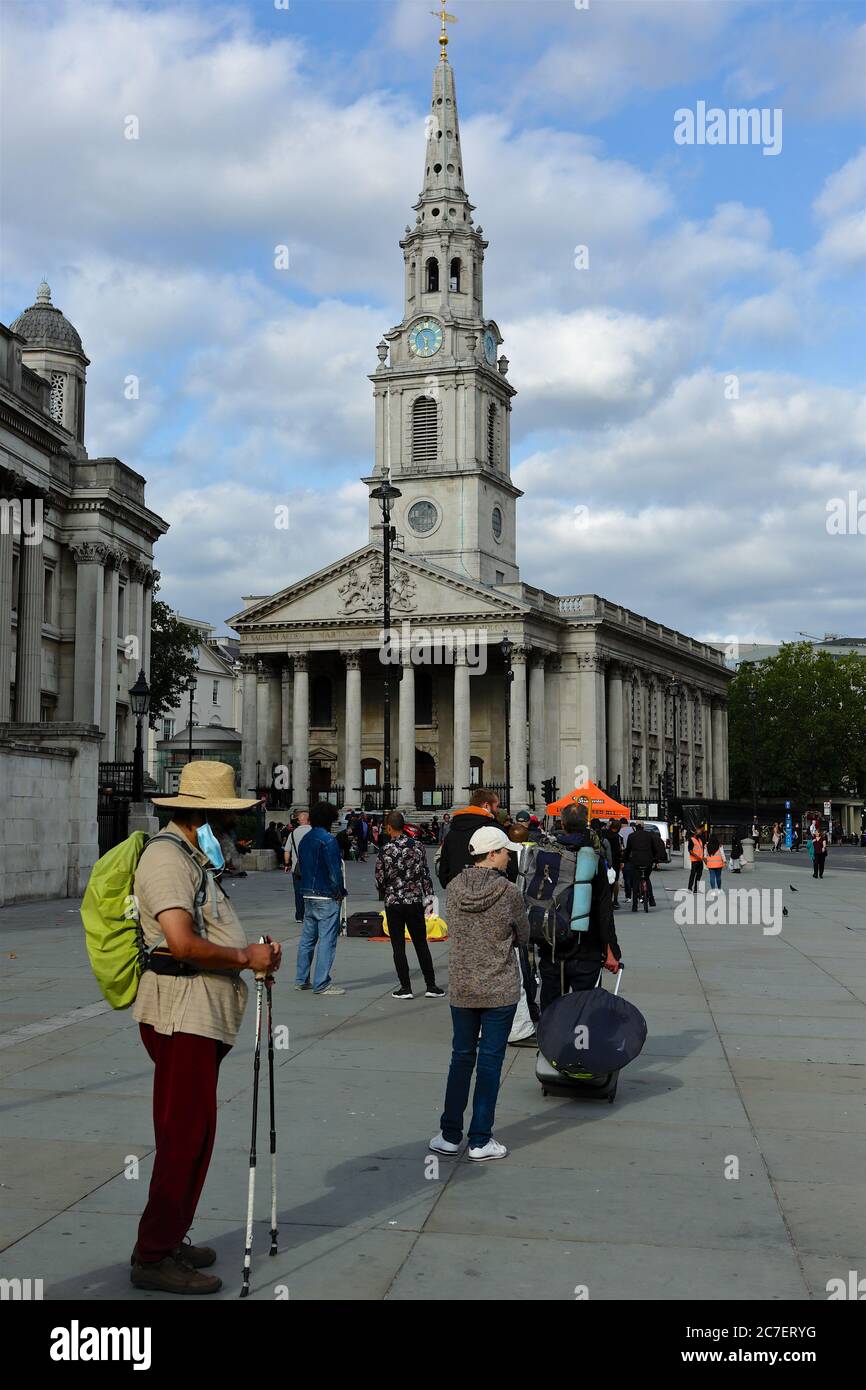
{"x": 277, "y": 798}
{"x": 112, "y": 821}
{"x": 115, "y": 779}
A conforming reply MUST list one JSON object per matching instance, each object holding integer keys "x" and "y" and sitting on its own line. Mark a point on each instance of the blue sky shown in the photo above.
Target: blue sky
{"x": 305, "y": 126}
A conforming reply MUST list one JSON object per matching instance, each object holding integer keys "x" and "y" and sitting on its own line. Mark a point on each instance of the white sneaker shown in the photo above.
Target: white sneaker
{"x": 442, "y": 1146}
{"x": 490, "y": 1150}
{"x": 332, "y": 989}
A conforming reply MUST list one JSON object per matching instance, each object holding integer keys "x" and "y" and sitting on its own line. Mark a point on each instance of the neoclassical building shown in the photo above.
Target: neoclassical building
{"x": 590, "y": 690}
{"x": 76, "y": 579}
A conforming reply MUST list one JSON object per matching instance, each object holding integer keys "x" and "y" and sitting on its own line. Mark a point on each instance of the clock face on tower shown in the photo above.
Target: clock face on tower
{"x": 490, "y": 347}
{"x": 426, "y": 338}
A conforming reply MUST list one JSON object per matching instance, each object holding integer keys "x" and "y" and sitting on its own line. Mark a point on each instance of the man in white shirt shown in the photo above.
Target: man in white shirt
{"x": 293, "y": 863}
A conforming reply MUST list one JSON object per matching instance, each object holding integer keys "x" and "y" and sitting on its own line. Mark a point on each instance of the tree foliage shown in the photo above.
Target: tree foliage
{"x": 173, "y": 660}
{"x": 808, "y": 732}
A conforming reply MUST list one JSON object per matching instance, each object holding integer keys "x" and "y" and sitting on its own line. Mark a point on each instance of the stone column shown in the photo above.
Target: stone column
{"x": 28, "y": 650}
{"x": 285, "y": 714}
{"x": 248, "y": 727}
{"x": 643, "y": 720}
{"x": 352, "y": 789}
{"x": 406, "y": 736}
{"x": 519, "y": 801}
{"x": 6, "y": 606}
{"x": 615, "y": 727}
{"x": 462, "y": 728}
{"x": 263, "y": 712}
{"x": 301, "y": 730}
{"x": 593, "y": 752}
{"x": 537, "y": 742}
{"x": 150, "y": 577}
{"x": 87, "y": 679}
{"x": 718, "y": 750}
{"x": 708, "y": 747}
{"x": 108, "y": 750}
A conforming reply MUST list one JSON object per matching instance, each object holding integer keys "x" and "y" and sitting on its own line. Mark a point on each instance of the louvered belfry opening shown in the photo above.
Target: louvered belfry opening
{"x": 491, "y": 435}
{"x": 424, "y": 430}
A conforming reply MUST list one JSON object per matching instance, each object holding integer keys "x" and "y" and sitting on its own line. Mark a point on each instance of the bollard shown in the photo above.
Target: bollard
{"x": 748, "y": 860}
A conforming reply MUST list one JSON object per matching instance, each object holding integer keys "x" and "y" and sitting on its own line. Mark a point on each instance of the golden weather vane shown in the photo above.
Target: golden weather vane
{"x": 446, "y": 19}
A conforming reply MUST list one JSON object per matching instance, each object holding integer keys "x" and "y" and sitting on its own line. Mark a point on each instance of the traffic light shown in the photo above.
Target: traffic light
{"x": 548, "y": 790}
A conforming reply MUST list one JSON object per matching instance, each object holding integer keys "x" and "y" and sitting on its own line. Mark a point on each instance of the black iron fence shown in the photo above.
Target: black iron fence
{"x": 112, "y": 819}
{"x": 115, "y": 779}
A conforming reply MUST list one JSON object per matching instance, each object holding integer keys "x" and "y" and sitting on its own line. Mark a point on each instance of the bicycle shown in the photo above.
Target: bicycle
{"x": 641, "y": 888}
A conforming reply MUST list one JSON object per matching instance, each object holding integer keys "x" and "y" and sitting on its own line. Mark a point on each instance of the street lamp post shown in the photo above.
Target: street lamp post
{"x": 753, "y": 702}
{"x": 385, "y": 494}
{"x": 139, "y": 699}
{"x": 191, "y": 688}
{"x": 506, "y": 646}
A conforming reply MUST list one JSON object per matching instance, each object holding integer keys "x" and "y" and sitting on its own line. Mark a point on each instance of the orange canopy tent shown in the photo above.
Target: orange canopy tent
{"x": 597, "y": 803}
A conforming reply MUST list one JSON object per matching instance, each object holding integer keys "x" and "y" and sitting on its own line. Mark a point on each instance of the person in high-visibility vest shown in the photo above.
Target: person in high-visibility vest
{"x": 696, "y": 855}
{"x": 715, "y": 860}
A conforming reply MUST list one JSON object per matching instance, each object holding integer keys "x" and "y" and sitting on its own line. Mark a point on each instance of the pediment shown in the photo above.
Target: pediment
{"x": 351, "y": 591}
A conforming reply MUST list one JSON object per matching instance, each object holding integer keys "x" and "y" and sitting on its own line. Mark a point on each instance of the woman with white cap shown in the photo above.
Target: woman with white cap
{"x": 486, "y": 920}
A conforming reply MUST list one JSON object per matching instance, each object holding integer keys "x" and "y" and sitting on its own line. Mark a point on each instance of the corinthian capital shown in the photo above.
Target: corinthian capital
{"x": 90, "y": 552}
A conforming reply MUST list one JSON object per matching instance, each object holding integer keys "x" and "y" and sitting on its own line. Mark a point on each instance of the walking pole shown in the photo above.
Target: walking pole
{"x": 269, "y": 981}
{"x": 251, "y": 1191}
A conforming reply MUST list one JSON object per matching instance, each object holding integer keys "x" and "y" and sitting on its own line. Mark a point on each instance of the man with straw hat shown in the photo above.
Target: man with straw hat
{"x": 189, "y": 1008}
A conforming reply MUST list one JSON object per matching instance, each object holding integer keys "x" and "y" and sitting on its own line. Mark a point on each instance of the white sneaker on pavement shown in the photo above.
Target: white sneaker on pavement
{"x": 442, "y": 1146}
{"x": 332, "y": 989}
{"x": 490, "y": 1150}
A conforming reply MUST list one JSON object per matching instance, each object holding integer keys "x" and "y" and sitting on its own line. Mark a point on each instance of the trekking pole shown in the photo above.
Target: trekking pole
{"x": 251, "y": 1190}
{"x": 269, "y": 981}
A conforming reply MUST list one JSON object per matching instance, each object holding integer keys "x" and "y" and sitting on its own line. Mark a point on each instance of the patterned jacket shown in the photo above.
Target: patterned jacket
{"x": 402, "y": 872}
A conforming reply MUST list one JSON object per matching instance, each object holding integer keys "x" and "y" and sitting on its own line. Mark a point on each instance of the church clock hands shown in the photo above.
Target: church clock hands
{"x": 426, "y": 338}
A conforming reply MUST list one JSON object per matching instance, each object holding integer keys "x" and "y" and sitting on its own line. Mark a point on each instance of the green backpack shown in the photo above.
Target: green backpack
{"x": 109, "y": 912}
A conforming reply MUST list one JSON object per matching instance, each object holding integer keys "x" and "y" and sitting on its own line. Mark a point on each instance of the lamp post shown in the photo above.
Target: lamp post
{"x": 191, "y": 688}
{"x": 139, "y": 699}
{"x": 506, "y": 646}
{"x": 753, "y": 703}
{"x": 385, "y": 494}
{"x": 674, "y": 689}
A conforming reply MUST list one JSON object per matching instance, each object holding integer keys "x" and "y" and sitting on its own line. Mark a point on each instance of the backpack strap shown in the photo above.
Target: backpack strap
{"x": 201, "y": 894}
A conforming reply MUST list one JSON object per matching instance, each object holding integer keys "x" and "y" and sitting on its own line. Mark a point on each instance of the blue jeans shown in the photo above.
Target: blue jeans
{"x": 322, "y": 925}
{"x": 715, "y": 878}
{"x": 493, "y": 1025}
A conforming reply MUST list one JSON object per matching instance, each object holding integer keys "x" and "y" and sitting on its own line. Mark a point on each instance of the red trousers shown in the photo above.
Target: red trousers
{"x": 184, "y": 1124}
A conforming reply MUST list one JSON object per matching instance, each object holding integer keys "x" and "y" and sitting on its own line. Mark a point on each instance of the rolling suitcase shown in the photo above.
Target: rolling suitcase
{"x": 583, "y": 1084}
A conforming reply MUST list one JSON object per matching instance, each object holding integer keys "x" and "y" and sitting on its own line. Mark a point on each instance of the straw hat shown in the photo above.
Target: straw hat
{"x": 207, "y": 786}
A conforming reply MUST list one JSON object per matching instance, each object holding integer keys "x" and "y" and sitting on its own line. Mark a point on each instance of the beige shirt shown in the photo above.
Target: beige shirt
{"x": 210, "y": 1004}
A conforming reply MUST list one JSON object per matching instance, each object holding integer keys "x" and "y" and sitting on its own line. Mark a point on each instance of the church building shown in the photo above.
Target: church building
{"x": 596, "y": 691}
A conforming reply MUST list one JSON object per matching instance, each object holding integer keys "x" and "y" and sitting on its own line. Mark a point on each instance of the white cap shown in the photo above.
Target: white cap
{"x": 489, "y": 838}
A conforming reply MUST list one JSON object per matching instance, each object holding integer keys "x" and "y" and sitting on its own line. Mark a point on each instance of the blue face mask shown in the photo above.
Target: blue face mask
{"x": 209, "y": 845}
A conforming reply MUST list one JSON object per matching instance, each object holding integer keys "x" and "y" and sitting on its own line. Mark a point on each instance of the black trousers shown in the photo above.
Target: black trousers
{"x": 696, "y": 874}
{"x": 410, "y": 916}
{"x": 561, "y": 977}
{"x": 639, "y": 871}
{"x": 818, "y": 865}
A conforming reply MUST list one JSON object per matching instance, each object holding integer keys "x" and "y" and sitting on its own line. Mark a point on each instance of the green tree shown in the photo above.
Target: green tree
{"x": 173, "y": 659}
{"x": 797, "y": 724}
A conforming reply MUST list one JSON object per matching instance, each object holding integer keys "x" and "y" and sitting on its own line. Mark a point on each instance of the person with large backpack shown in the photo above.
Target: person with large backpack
{"x": 177, "y": 950}
{"x": 568, "y": 902}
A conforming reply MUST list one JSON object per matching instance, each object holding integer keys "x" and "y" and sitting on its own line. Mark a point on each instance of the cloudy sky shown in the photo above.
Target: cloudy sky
{"x": 697, "y": 389}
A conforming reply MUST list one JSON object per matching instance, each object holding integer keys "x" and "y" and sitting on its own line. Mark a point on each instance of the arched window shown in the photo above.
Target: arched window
{"x": 370, "y": 772}
{"x": 320, "y": 702}
{"x": 432, "y": 279}
{"x": 492, "y": 436}
{"x": 476, "y": 772}
{"x": 454, "y": 276}
{"x": 424, "y": 430}
{"x": 412, "y": 268}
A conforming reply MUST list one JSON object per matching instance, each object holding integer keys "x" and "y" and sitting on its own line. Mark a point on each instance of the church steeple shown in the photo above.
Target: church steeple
{"x": 442, "y": 398}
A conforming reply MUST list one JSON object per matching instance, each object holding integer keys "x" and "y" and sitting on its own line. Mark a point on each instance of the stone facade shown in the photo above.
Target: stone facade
{"x": 76, "y": 569}
{"x": 590, "y": 690}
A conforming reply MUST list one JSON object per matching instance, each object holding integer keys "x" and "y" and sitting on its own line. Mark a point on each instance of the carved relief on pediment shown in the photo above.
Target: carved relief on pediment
{"x": 363, "y": 590}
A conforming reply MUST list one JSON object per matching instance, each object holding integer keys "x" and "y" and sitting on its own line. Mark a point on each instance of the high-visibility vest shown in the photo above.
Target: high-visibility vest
{"x": 696, "y": 851}
{"x": 717, "y": 860}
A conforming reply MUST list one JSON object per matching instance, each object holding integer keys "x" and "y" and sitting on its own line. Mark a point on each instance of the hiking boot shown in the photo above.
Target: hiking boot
{"x": 199, "y": 1256}
{"x": 175, "y": 1274}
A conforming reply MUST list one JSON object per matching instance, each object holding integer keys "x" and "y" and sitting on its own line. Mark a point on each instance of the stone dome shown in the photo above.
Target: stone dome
{"x": 45, "y": 326}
